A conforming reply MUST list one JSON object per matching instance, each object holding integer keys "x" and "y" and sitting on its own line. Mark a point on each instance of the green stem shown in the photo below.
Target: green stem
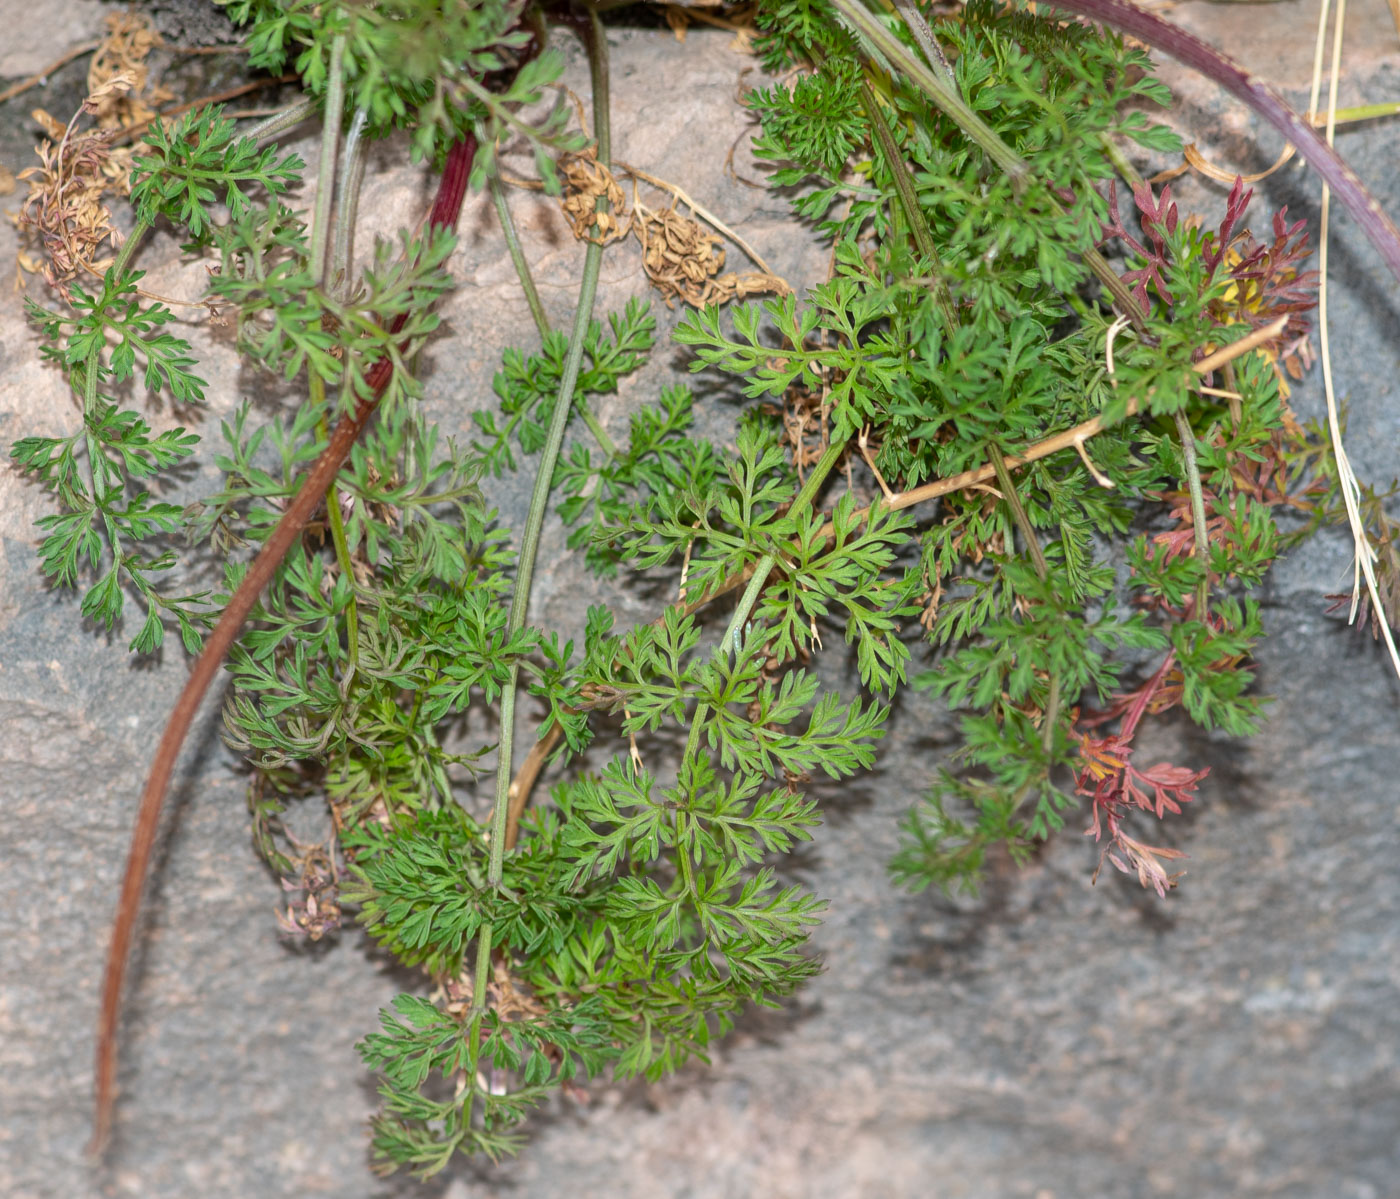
{"x": 1042, "y": 570}
{"x": 1198, "y": 510}
{"x": 909, "y": 201}
{"x": 1236, "y": 408}
{"x": 863, "y": 22}
{"x": 1018, "y": 512}
{"x": 494, "y": 105}
{"x": 1016, "y": 168}
{"x": 280, "y": 122}
{"x": 532, "y": 298}
{"x": 544, "y": 476}
{"x": 128, "y": 248}
{"x": 1366, "y": 112}
{"x": 1119, "y": 160}
{"x": 595, "y": 426}
{"x": 517, "y": 256}
{"x": 692, "y": 746}
{"x": 92, "y": 365}
{"x": 1051, "y": 716}
{"x": 325, "y": 169}
{"x": 733, "y": 635}
{"x": 479, "y": 985}
{"x": 347, "y": 199}
{"x": 339, "y": 541}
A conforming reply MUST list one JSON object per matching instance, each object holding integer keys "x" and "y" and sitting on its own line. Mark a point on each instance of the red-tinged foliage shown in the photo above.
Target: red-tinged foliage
{"x": 1154, "y": 217}
{"x": 1266, "y": 280}
{"x": 1181, "y": 540}
{"x": 1266, "y": 479}
{"x": 1115, "y": 786}
{"x": 1216, "y": 244}
{"x": 1171, "y": 786}
{"x": 1269, "y": 281}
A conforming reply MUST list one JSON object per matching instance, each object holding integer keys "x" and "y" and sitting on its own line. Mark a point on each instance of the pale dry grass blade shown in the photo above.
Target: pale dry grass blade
{"x": 1364, "y": 553}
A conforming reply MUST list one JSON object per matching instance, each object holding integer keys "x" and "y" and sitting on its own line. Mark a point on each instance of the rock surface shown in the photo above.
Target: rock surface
{"x": 1050, "y": 1040}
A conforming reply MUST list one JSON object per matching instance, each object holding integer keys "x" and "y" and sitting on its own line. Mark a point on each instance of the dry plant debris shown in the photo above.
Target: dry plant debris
{"x": 585, "y": 182}
{"x": 129, "y": 40}
{"x": 66, "y": 210}
{"x": 682, "y": 260}
{"x": 739, "y": 20}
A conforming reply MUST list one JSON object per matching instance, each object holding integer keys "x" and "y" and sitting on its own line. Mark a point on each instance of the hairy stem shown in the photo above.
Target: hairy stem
{"x": 352, "y": 173}
{"x": 914, "y": 20}
{"x": 128, "y": 248}
{"x": 325, "y": 169}
{"x": 290, "y": 117}
{"x": 329, "y": 280}
{"x": 544, "y": 476}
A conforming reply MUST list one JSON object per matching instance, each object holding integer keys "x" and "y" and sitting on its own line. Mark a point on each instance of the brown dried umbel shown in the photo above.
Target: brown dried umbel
{"x": 66, "y": 209}
{"x": 681, "y": 258}
{"x": 129, "y": 40}
{"x": 683, "y": 261}
{"x": 586, "y": 181}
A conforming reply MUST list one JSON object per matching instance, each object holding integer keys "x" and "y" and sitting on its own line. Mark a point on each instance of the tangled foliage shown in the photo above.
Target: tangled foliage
{"x": 962, "y": 350}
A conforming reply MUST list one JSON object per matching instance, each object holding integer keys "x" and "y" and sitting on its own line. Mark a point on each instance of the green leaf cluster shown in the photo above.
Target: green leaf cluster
{"x": 199, "y": 162}
{"x": 958, "y": 324}
{"x": 422, "y": 67}
{"x": 107, "y": 476}
{"x": 649, "y": 900}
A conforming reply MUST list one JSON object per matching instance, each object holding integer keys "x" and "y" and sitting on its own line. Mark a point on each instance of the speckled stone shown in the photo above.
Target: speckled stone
{"x": 1050, "y": 1040}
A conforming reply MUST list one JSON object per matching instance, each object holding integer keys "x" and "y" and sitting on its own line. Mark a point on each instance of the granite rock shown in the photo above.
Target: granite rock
{"x": 1051, "y": 1039}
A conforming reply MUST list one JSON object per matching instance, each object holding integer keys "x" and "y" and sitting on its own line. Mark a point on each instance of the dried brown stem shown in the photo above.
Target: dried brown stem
{"x": 24, "y": 85}
{"x": 129, "y": 135}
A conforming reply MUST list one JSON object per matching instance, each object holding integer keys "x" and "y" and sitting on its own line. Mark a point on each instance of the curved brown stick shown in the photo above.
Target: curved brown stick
{"x": 530, "y": 768}
{"x": 446, "y": 208}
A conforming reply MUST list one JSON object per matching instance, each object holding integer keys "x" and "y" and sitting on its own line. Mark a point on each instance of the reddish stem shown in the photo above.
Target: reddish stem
{"x": 1144, "y": 696}
{"x": 446, "y": 209}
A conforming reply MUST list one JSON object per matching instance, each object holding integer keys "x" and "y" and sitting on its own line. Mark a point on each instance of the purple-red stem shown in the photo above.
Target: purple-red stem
{"x": 446, "y": 209}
